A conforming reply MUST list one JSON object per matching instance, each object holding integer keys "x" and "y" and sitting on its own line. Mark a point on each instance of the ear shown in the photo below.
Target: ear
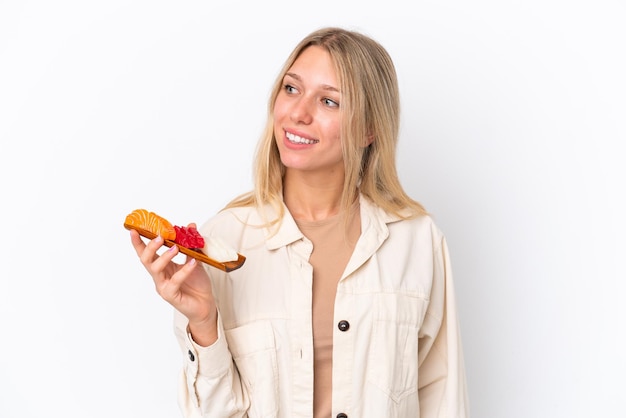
{"x": 368, "y": 140}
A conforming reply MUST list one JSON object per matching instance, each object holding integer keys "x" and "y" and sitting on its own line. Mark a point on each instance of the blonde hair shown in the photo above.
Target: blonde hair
{"x": 370, "y": 107}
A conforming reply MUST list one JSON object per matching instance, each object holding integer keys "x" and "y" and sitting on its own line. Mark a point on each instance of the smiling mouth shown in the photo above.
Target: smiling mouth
{"x": 295, "y": 139}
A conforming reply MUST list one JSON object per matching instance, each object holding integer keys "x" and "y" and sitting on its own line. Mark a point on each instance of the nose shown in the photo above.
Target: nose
{"x": 301, "y": 111}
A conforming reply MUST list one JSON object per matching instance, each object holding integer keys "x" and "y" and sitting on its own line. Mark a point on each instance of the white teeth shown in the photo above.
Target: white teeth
{"x": 299, "y": 140}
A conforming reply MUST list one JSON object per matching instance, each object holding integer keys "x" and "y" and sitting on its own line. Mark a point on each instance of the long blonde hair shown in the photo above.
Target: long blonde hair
{"x": 370, "y": 107}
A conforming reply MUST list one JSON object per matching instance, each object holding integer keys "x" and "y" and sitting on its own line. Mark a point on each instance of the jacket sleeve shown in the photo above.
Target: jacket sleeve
{"x": 209, "y": 385}
{"x": 442, "y": 382}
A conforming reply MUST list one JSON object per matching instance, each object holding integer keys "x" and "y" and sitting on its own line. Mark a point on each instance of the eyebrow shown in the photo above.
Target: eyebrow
{"x": 327, "y": 87}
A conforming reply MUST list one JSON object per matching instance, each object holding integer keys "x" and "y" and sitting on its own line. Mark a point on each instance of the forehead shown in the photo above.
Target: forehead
{"x": 314, "y": 64}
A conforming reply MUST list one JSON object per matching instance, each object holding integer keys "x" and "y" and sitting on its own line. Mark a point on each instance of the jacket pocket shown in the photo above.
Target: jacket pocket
{"x": 254, "y": 351}
{"x": 392, "y": 361}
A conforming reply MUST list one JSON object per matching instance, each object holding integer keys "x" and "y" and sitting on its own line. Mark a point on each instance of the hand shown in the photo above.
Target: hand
{"x": 186, "y": 287}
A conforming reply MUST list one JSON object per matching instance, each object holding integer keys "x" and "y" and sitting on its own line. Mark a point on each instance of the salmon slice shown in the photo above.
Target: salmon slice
{"x": 150, "y": 221}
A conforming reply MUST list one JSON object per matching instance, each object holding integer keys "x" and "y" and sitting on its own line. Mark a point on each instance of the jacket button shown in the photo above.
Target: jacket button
{"x": 343, "y": 326}
{"x": 191, "y": 356}
{"x": 341, "y": 415}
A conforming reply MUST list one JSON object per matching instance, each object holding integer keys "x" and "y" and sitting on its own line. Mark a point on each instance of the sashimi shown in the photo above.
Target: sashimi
{"x": 217, "y": 249}
{"x": 188, "y": 237}
{"x": 150, "y": 221}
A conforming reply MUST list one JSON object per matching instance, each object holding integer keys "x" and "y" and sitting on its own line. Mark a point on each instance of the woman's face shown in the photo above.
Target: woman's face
{"x": 307, "y": 117}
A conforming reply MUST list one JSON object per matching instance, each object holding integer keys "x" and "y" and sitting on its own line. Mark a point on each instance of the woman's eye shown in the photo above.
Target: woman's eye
{"x": 290, "y": 89}
{"x": 330, "y": 102}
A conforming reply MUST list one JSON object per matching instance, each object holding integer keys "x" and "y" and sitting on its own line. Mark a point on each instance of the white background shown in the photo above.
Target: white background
{"x": 513, "y": 126}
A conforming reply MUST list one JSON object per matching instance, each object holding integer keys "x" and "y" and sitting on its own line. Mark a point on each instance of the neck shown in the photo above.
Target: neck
{"x": 312, "y": 198}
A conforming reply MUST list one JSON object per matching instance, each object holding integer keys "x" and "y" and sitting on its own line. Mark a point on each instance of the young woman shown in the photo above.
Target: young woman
{"x": 345, "y": 306}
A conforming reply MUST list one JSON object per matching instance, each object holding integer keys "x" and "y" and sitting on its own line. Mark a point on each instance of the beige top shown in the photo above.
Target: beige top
{"x": 332, "y": 248}
{"x": 400, "y": 357}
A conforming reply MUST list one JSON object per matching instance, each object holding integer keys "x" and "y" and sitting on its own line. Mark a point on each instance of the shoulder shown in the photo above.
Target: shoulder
{"x": 406, "y": 220}
{"x": 406, "y": 229}
{"x": 422, "y": 226}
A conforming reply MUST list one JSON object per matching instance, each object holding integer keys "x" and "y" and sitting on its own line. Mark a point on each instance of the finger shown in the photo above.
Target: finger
{"x": 147, "y": 253}
{"x": 137, "y": 242}
{"x": 162, "y": 261}
{"x": 169, "y": 287}
{"x": 183, "y": 273}
{"x": 150, "y": 256}
{"x": 190, "y": 265}
{"x": 144, "y": 251}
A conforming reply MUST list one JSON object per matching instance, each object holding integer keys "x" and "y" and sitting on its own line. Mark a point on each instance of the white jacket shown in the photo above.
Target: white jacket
{"x": 400, "y": 355}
